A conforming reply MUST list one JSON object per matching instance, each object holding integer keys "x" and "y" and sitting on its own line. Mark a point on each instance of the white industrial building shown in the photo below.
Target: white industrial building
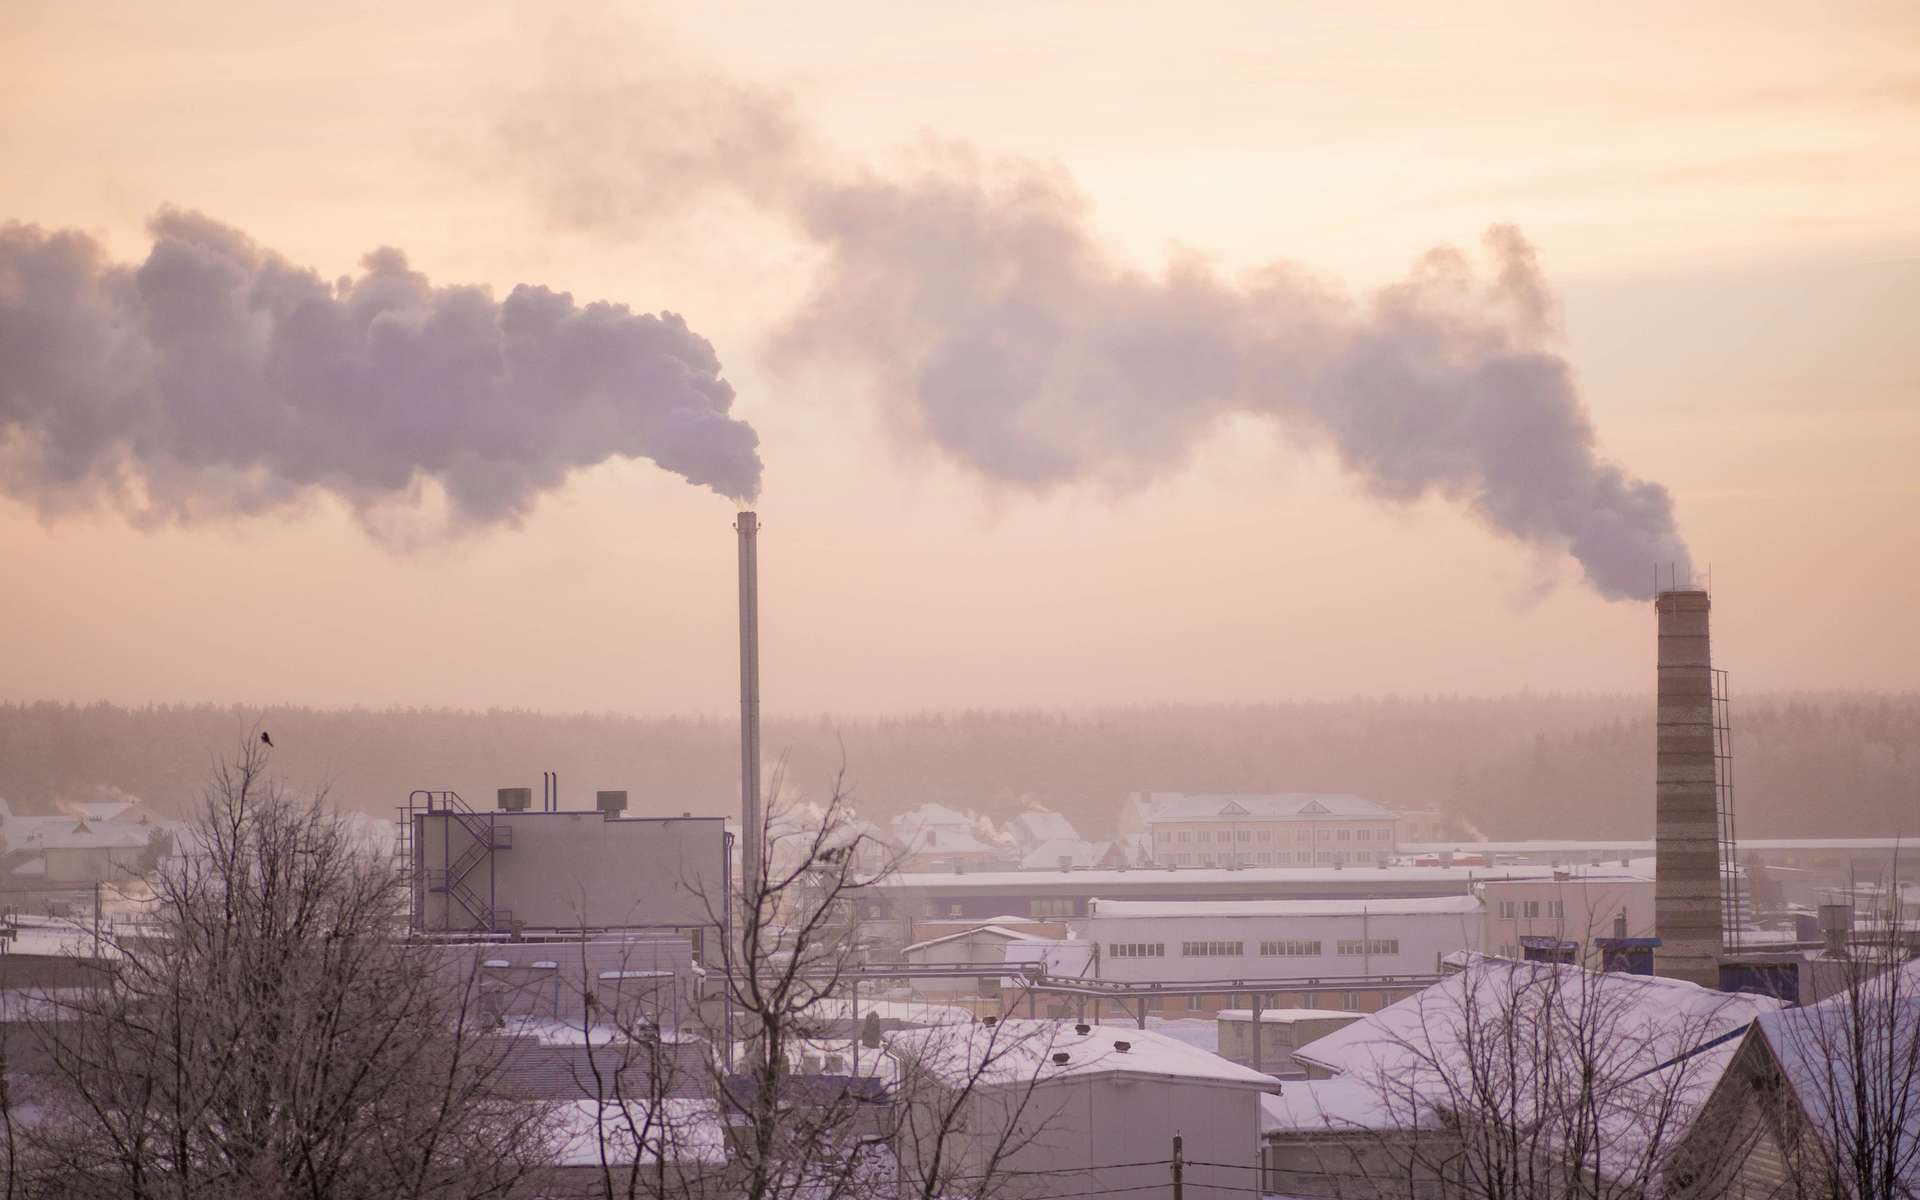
{"x": 1140, "y": 941}
{"x": 1097, "y": 1106}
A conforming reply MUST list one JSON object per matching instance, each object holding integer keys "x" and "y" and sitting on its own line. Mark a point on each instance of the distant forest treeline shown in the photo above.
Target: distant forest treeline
{"x": 1519, "y": 766}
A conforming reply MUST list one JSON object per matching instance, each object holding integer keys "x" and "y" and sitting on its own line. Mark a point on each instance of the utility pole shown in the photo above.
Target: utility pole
{"x": 1176, "y": 1167}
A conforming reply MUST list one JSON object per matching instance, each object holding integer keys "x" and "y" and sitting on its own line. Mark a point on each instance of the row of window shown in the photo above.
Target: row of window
{"x": 1136, "y": 950}
{"x": 1355, "y": 947}
{"x": 1303, "y": 834}
{"x": 1510, "y": 909}
{"x": 1212, "y": 949}
{"x": 1290, "y": 949}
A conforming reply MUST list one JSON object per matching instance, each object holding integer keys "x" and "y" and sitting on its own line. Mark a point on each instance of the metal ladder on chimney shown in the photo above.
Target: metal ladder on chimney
{"x": 1731, "y": 912}
{"x": 484, "y": 835}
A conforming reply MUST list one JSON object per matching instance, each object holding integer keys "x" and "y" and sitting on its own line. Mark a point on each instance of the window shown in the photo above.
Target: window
{"x": 1506, "y": 909}
{"x": 1345, "y": 835}
{"x": 1356, "y": 947}
{"x": 953, "y": 910}
{"x": 1161, "y": 835}
{"x": 1136, "y": 950}
{"x": 1212, "y": 949}
{"x": 1532, "y": 908}
{"x": 1186, "y": 835}
{"x": 1310, "y": 1000}
{"x": 1350, "y": 1001}
{"x": 1290, "y": 949}
{"x": 1051, "y": 908}
{"x": 1245, "y": 835}
{"x": 1266, "y": 835}
{"x": 1303, "y": 834}
{"x": 1156, "y": 1003}
{"x": 1225, "y": 835}
{"x": 1556, "y": 908}
{"x": 1326, "y": 856}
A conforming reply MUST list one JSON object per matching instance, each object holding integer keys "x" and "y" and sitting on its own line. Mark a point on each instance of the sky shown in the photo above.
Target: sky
{"x": 1723, "y": 203}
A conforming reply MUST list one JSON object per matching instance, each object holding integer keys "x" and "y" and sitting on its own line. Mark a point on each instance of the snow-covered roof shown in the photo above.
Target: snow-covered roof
{"x": 932, "y": 815}
{"x": 942, "y": 839}
{"x": 691, "y": 1129}
{"x": 1013, "y": 1052}
{"x": 1011, "y": 935}
{"x": 74, "y": 833}
{"x": 1287, "y": 1016}
{"x": 1357, "y": 906}
{"x": 1278, "y": 806}
{"x": 1247, "y": 876}
{"x": 1343, "y": 1103}
{"x": 1078, "y": 853}
{"x": 1037, "y": 825}
{"x": 1819, "y": 1048}
{"x": 1661, "y": 1017}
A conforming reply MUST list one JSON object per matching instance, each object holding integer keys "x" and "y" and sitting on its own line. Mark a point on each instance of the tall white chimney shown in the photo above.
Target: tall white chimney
{"x": 750, "y": 822}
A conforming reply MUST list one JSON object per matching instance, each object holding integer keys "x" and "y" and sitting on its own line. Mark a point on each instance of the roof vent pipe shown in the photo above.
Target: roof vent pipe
{"x": 1620, "y": 924}
{"x": 1060, "y": 1059}
{"x": 1083, "y": 1029}
{"x": 1123, "y": 1047}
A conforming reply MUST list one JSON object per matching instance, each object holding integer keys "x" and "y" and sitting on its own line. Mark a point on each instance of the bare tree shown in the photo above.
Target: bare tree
{"x": 1524, "y": 1080}
{"x": 271, "y": 1032}
{"x": 1844, "y": 1083}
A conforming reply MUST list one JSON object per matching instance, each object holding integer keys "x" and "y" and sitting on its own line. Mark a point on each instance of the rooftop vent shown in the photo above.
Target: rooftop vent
{"x": 1083, "y": 1029}
{"x": 1060, "y": 1058}
{"x": 610, "y": 803}
{"x": 1123, "y": 1047}
{"x": 989, "y": 1022}
{"x": 518, "y": 799}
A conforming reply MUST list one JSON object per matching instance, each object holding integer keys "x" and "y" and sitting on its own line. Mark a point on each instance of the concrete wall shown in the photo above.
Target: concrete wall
{"x": 569, "y": 869}
{"x": 1085, "y": 1125}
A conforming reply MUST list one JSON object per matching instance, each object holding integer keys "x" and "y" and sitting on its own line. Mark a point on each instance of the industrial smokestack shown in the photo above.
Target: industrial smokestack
{"x": 749, "y": 527}
{"x": 1686, "y": 890}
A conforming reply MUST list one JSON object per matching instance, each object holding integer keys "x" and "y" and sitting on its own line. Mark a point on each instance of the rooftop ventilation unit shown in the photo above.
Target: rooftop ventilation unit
{"x": 610, "y": 803}
{"x": 516, "y": 799}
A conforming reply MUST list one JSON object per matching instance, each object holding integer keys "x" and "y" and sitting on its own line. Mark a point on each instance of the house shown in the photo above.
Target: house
{"x": 1816, "y": 1098}
{"x": 1286, "y": 829}
{"x": 1098, "y": 1106}
{"x": 1031, "y": 827}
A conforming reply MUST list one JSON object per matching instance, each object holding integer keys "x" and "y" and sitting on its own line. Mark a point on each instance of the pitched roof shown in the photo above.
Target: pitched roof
{"x": 1014, "y": 1052}
{"x": 1276, "y": 806}
{"x": 1011, "y": 935}
{"x": 1047, "y": 855}
{"x": 1037, "y": 825}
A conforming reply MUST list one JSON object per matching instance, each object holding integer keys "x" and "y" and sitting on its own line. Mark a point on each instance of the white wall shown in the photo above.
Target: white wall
{"x": 1423, "y": 938}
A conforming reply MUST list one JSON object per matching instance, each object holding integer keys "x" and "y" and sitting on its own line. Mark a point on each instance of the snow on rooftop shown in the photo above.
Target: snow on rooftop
{"x": 691, "y": 1129}
{"x": 1012, "y": 935}
{"x": 1162, "y": 876}
{"x": 1343, "y": 1103}
{"x": 1356, "y": 906}
{"x": 1014, "y": 1052}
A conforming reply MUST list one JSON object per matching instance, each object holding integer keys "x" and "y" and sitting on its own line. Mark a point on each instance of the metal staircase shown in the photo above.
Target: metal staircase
{"x": 468, "y": 842}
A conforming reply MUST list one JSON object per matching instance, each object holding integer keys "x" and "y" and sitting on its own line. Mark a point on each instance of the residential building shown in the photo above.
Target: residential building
{"x": 1290, "y": 829}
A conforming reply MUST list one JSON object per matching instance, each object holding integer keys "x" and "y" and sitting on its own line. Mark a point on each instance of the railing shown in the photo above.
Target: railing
{"x": 484, "y": 836}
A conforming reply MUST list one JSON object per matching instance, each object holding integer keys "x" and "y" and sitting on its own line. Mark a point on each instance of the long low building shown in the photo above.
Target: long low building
{"x": 1178, "y": 941}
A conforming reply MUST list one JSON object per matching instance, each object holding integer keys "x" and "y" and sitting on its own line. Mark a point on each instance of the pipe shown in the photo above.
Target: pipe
{"x": 748, "y": 527}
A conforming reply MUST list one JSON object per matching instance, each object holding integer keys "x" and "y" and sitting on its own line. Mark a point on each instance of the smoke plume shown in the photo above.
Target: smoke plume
{"x": 1001, "y": 330}
{"x": 215, "y": 378}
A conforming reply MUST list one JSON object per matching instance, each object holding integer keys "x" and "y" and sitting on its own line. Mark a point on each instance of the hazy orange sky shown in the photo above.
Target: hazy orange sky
{"x": 1725, "y": 198}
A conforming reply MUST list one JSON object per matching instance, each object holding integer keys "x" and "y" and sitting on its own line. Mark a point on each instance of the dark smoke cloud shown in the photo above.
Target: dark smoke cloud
{"x": 215, "y": 379}
{"x": 1000, "y": 329}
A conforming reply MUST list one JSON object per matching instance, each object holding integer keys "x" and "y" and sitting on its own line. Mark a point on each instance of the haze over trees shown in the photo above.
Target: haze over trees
{"x": 1807, "y": 764}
